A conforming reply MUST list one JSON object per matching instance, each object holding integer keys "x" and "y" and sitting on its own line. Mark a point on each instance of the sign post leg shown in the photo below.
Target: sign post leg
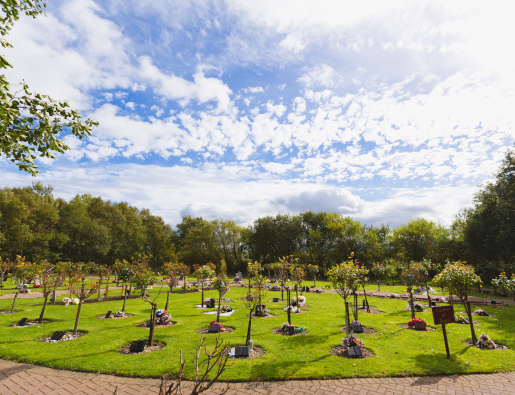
{"x": 445, "y": 340}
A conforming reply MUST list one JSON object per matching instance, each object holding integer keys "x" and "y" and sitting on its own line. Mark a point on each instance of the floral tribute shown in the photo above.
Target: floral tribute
{"x": 286, "y": 327}
{"x": 484, "y": 341}
{"x": 225, "y": 308}
{"x": 481, "y": 312}
{"x": 276, "y": 288}
{"x": 119, "y": 314}
{"x": 163, "y": 317}
{"x": 352, "y": 341}
{"x": 302, "y": 300}
{"x": 414, "y": 322}
{"x": 217, "y": 324}
{"x": 460, "y": 318}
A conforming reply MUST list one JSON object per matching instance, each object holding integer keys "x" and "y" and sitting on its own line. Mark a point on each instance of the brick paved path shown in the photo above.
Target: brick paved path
{"x": 16, "y": 378}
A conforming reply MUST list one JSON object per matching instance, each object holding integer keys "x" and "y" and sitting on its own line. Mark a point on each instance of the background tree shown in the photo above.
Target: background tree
{"x": 125, "y": 274}
{"x": 220, "y": 284}
{"x": 202, "y": 274}
{"x": 21, "y": 134}
{"x": 283, "y": 271}
{"x": 49, "y": 282}
{"x": 297, "y": 274}
{"x": 24, "y": 271}
{"x": 173, "y": 270}
{"x": 313, "y": 271}
{"x": 5, "y": 267}
{"x": 410, "y": 276}
{"x": 460, "y": 278}
{"x": 415, "y": 240}
{"x": 103, "y": 272}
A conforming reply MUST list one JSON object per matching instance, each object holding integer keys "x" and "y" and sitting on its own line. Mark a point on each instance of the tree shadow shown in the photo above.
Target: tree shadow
{"x": 439, "y": 364}
{"x": 260, "y": 370}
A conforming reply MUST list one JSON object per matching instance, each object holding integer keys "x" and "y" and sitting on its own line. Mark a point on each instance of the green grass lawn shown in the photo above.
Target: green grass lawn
{"x": 398, "y": 352}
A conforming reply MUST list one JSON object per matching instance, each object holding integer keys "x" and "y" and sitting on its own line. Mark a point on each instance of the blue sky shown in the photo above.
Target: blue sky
{"x": 383, "y": 111}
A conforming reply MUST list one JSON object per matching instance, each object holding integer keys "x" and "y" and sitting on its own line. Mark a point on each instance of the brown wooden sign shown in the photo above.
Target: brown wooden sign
{"x": 443, "y": 315}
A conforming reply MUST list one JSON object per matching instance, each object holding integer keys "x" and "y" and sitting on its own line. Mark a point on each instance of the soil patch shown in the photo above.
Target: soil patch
{"x": 156, "y": 346}
{"x": 103, "y": 317}
{"x": 255, "y": 353}
{"x": 341, "y": 351}
{"x": 205, "y": 331}
{"x": 9, "y": 312}
{"x": 67, "y": 336}
{"x": 468, "y": 342}
{"x": 366, "y": 330}
{"x": 29, "y": 323}
{"x": 279, "y": 331}
{"x": 373, "y": 310}
{"x": 144, "y": 325}
{"x": 406, "y": 326}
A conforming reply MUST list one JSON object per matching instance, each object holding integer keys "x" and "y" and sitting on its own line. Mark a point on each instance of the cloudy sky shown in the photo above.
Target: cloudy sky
{"x": 236, "y": 109}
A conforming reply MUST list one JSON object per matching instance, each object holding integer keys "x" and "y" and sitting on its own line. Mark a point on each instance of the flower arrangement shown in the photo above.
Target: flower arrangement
{"x": 485, "y": 342}
{"x": 292, "y": 309}
{"x": 225, "y": 308}
{"x": 418, "y": 308}
{"x": 119, "y": 314}
{"x": 355, "y": 322}
{"x": 217, "y": 324}
{"x": 460, "y": 318}
{"x": 414, "y": 321}
{"x": 481, "y": 312}
{"x": 276, "y": 288}
{"x": 393, "y": 295}
{"x": 302, "y": 299}
{"x": 286, "y": 327}
{"x": 352, "y": 341}
{"x": 163, "y": 317}
{"x": 261, "y": 311}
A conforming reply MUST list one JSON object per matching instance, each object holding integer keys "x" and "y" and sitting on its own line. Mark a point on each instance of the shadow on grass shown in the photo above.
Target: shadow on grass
{"x": 439, "y": 364}
{"x": 263, "y": 370}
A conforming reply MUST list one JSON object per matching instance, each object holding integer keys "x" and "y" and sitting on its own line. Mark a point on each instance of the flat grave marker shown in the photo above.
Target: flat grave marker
{"x": 108, "y": 314}
{"x": 58, "y": 335}
{"x": 138, "y": 346}
{"x": 22, "y": 322}
{"x": 241, "y": 351}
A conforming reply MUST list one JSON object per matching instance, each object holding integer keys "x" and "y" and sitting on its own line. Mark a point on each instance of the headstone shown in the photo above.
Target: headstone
{"x": 291, "y": 330}
{"x": 58, "y": 335}
{"x": 22, "y": 322}
{"x": 213, "y": 329}
{"x": 241, "y": 351}
{"x": 354, "y": 352}
{"x": 108, "y": 314}
{"x": 493, "y": 302}
{"x": 466, "y": 321}
{"x": 138, "y": 346}
{"x": 275, "y": 300}
{"x": 357, "y": 328}
{"x": 433, "y": 303}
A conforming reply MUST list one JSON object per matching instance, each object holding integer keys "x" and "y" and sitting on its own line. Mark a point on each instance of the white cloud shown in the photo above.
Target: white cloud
{"x": 321, "y": 75}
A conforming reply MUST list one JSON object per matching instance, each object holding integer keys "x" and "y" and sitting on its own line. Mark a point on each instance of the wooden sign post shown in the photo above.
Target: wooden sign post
{"x": 444, "y": 315}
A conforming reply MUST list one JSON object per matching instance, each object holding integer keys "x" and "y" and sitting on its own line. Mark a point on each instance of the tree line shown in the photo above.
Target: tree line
{"x": 37, "y": 225}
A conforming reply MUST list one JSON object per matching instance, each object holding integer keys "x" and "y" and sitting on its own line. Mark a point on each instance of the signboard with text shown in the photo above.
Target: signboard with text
{"x": 443, "y": 315}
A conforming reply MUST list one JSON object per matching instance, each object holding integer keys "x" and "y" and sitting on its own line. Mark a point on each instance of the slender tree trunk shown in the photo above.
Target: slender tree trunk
{"x": 77, "y": 318}
{"x": 378, "y": 285}
{"x": 99, "y": 286}
{"x": 123, "y": 289}
{"x": 297, "y": 296}
{"x": 412, "y": 304}
{"x": 247, "y": 343}
{"x": 184, "y": 290}
{"x": 347, "y": 320}
{"x": 107, "y": 288}
{"x": 219, "y": 301}
{"x": 14, "y": 301}
{"x": 366, "y": 300}
{"x": 466, "y": 303}
{"x": 315, "y": 281}
{"x": 428, "y": 296}
{"x": 202, "y": 296}
{"x": 43, "y": 309}
{"x": 152, "y": 325}
{"x": 282, "y": 291}
{"x": 124, "y": 301}
{"x": 167, "y": 299}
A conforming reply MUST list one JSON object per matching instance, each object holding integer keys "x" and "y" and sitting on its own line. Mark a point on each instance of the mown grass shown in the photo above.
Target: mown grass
{"x": 398, "y": 352}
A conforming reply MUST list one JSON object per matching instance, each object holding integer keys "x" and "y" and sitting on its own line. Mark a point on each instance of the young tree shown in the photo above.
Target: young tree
{"x": 32, "y": 122}
{"x": 49, "y": 282}
{"x": 283, "y": 271}
{"x": 83, "y": 288}
{"x": 502, "y": 283}
{"x": 253, "y": 299}
{"x": 221, "y": 284}
{"x": 202, "y": 274}
{"x": 410, "y": 276}
{"x": 361, "y": 279}
{"x": 313, "y": 270}
{"x": 142, "y": 281}
{"x": 460, "y": 278}
{"x": 125, "y": 275}
{"x": 297, "y": 275}
{"x": 343, "y": 278}
{"x": 254, "y": 269}
{"x": 5, "y": 267}
{"x": 173, "y": 270}
{"x": 102, "y": 271}
{"x": 427, "y": 271}
{"x": 24, "y": 272}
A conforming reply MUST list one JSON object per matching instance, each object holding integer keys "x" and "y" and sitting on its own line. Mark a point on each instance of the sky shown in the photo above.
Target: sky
{"x": 383, "y": 111}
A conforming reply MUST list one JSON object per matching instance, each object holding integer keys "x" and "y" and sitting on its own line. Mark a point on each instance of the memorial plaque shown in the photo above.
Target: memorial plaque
{"x": 357, "y": 328}
{"x": 291, "y": 330}
{"x": 443, "y": 315}
{"x": 433, "y": 303}
{"x": 275, "y": 300}
{"x": 213, "y": 329}
{"x": 241, "y": 351}
{"x": 354, "y": 352}
{"x": 138, "y": 346}
{"x": 108, "y": 314}
{"x": 58, "y": 335}
{"x": 493, "y": 302}
{"x": 22, "y": 322}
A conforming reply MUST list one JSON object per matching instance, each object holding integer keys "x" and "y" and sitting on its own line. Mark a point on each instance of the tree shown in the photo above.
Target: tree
{"x": 142, "y": 281}
{"x": 49, "y": 282}
{"x": 125, "y": 274}
{"x": 202, "y": 274}
{"x": 83, "y": 288}
{"x": 343, "y": 278}
{"x": 410, "y": 276}
{"x": 313, "y": 270}
{"x": 5, "y": 267}
{"x": 21, "y": 134}
{"x": 173, "y": 270}
{"x": 221, "y": 284}
{"x": 297, "y": 274}
{"x": 459, "y": 278}
{"x": 283, "y": 271}
{"x": 102, "y": 271}
{"x": 252, "y": 300}
{"x": 24, "y": 271}
{"x": 416, "y": 239}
